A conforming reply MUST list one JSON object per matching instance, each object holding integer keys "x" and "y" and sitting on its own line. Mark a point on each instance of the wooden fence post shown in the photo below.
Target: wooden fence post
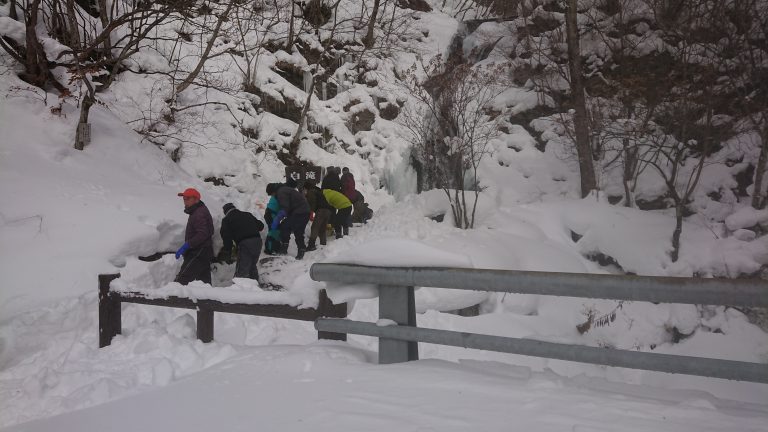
{"x": 326, "y": 308}
{"x": 205, "y": 324}
{"x": 110, "y": 319}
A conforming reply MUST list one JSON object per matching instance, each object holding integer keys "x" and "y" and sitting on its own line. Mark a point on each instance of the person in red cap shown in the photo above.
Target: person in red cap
{"x": 197, "y": 249}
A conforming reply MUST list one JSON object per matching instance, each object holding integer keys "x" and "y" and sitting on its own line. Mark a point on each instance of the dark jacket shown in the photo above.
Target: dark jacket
{"x": 237, "y": 226}
{"x": 331, "y": 181}
{"x": 199, "y": 232}
{"x": 292, "y": 201}
{"x": 316, "y": 198}
{"x": 348, "y": 186}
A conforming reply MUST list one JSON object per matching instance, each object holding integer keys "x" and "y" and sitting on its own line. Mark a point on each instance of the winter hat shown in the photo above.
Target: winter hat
{"x": 272, "y": 188}
{"x": 190, "y": 192}
{"x": 227, "y": 207}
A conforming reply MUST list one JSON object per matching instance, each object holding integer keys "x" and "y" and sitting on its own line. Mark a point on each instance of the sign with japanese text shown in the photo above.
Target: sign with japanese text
{"x": 304, "y": 174}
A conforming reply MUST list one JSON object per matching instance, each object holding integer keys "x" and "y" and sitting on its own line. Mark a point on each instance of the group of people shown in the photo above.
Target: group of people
{"x": 336, "y": 202}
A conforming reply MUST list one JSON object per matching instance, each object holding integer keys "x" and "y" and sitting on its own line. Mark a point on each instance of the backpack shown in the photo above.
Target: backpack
{"x": 367, "y": 214}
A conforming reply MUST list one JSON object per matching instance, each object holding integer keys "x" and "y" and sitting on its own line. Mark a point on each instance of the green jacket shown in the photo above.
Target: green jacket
{"x": 337, "y": 200}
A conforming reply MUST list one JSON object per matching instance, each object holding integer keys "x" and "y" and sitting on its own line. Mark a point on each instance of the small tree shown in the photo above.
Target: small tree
{"x": 451, "y": 125}
{"x": 674, "y": 161}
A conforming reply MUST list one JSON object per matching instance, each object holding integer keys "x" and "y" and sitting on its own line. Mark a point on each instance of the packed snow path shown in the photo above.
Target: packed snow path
{"x": 327, "y": 387}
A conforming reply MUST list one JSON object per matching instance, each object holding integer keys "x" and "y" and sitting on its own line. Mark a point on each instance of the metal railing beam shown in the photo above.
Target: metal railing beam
{"x": 716, "y": 368}
{"x": 730, "y": 292}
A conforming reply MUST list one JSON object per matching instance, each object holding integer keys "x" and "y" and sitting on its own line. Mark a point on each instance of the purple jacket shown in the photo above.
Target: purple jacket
{"x": 348, "y": 186}
{"x": 199, "y": 233}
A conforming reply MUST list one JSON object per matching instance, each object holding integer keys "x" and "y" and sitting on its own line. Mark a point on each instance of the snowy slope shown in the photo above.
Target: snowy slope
{"x": 334, "y": 388}
{"x": 67, "y": 216}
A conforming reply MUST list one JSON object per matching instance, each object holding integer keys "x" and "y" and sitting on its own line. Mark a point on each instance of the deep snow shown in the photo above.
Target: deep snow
{"x": 67, "y": 216}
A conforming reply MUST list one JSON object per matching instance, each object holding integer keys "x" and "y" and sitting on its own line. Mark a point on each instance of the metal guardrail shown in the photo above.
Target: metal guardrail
{"x": 732, "y": 292}
{"x": 398, "y": 343}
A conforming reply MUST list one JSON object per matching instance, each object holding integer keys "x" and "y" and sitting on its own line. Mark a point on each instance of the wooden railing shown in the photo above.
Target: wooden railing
{"x": 110, "y": 311}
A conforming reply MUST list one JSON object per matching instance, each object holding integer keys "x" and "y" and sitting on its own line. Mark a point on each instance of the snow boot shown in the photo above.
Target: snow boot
{"x": 283, "y": 250}
{"x": 300, "y": 254}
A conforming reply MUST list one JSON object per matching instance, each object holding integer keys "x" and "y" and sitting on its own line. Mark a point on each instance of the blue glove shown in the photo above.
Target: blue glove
{"x": 181, "y": 250}
{"x": 278, "y": 218}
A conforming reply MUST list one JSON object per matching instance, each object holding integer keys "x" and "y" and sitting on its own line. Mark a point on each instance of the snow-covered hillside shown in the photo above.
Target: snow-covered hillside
{"x": 68, "y": 215}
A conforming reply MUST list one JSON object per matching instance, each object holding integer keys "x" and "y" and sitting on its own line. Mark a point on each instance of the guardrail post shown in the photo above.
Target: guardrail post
{"x": 110, "y": 319}
{"x": 205, "y": 324}
{"x": 397, "y": 304}
{"x": 326, "y": 308}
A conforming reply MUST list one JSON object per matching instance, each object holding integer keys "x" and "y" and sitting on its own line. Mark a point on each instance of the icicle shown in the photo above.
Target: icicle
{"x": 307, "y": 81}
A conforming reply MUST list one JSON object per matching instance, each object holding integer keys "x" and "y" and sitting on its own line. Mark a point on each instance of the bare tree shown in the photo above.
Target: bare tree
{"x": 686, "y": 133}
{"x": 332, "y": 30}
{"x": 558, "y": 74}
{"x": 452, "y": 126}
{"x": 253, "y": 27}
{"x": 37, "y": 66}
{"x": 673, "y": 161}
{"x": 206, "y": 54}
{"x": 742, "y": 27}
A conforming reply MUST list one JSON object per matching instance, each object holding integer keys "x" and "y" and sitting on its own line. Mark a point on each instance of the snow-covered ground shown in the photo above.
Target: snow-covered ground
{"x": 325, "y": 387}
{"x": 67, "y": 216}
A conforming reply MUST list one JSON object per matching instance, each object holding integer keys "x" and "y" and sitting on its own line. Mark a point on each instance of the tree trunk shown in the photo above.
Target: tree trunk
{"x": 368, "y": 39}
{"x": 12, "y": 12}
{"x": 580, "y": 120}
{"x": 758, "y": 201}
{"x": 675, "y": 254}
{"x": 630, "y": 162}
{"x": 289, "y": 42}
{"x": 103, "y": 10}
{"x": 36, "y": 66}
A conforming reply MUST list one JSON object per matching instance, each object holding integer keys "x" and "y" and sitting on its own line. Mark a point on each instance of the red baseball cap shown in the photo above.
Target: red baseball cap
{"x": 190, "y": 192}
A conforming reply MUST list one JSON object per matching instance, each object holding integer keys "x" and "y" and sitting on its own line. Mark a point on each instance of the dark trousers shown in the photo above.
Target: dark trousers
{"x": 196, "y": 266}
{"x": 294, "y": 224}
{"x": 340, "y": 221}
{"x": 248, "y": 251}
{"x": 322, "y": 217}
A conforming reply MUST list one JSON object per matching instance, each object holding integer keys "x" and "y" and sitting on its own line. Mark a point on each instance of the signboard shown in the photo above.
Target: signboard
{"x": 84, "y": 133}
{"x": 304, "y": 174}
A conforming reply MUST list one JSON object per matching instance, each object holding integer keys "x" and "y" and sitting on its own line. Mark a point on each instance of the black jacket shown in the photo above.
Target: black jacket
{"x": 316, "y": 198}
{"x": 331, "y": 181}
{"x": 237, "y": 226}
{"x": 292, "y": 201}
